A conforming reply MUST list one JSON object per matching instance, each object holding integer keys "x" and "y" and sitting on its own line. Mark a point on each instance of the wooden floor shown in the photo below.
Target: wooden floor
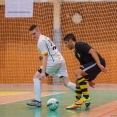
{"x": 13, "y": 99}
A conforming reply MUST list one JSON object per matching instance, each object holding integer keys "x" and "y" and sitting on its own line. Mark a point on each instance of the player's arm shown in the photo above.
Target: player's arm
{"x": 44, "y": 52}
{"x": 97, "y": 60}
{"x": 91, "y": 83}
{"x": 95, "y": 56}
{"x": 88, "y": 49}
{"x": 40, "y": 58}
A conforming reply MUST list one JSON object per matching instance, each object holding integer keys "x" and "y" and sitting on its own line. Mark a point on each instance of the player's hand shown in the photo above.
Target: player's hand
{"x": 91, "y": 83}
{"x": 103, "y": 69}
{"x": 43, "y": 76}
{"x": 40, "y": 58}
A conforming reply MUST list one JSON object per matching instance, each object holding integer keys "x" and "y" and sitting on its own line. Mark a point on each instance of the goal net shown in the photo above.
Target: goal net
{"x": 96, "y": 25}
{"x": 98, "y": 28}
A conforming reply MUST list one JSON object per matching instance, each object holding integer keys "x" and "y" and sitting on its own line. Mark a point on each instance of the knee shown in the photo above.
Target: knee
{"x": 37, "y": 75}
{"x": 65, "y": 81}
{"x": 65, "y": 84}
{"x": 34, "y": 79}
{"x": 78, "y": 72}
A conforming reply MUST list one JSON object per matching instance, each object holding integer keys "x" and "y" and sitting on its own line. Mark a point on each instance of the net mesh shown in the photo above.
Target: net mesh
{"x": 18, "y": 51}
{"x": 98, "y": 28}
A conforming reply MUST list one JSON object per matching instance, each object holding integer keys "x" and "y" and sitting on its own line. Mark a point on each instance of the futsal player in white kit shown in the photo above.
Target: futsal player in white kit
{"x": 52, "y": 63}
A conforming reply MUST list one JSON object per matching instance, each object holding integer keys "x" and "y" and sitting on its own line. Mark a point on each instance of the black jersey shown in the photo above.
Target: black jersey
{"x": 81, "y": 53}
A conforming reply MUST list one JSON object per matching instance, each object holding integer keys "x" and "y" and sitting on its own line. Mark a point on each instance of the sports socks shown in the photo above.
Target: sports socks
{"x": 71, "y": 86}
{"x": 83, "y": 86}
{"x": 37, "y": 89}
{"x": 78, "y": 93}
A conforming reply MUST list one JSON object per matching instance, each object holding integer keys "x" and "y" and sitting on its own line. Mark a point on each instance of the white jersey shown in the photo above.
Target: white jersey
{"x": 46, "y": 46}
{"x": 55, "y": 63}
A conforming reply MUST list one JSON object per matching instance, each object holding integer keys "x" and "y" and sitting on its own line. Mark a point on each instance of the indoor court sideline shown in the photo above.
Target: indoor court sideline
{"x": 13, "y": 99}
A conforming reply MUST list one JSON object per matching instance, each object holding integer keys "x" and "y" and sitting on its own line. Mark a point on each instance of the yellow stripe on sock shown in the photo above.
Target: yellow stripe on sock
{"x": 78, "y": 89}
{"x": 85, "y": 93}
{"x": 80, "y": 80}
{"x": 78, "y": 95}
{"x": 83, "y": 86}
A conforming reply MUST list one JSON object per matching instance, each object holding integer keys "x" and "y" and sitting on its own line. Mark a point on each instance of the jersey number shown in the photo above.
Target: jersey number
{"x": 54, "y": 47}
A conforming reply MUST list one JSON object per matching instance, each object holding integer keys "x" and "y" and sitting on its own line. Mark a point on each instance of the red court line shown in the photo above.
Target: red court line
{"x": 101, "y": 111}
{"x": 107, "y": 113}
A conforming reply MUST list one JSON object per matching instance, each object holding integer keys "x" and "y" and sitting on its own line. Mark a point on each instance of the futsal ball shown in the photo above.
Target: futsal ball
{"x": 52, "y": 104}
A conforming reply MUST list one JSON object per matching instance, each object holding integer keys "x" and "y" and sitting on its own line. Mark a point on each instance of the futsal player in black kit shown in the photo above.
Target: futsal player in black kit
{"x": 91, "y": 63}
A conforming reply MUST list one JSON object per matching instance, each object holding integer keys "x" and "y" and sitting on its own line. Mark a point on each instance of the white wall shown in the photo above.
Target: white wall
{"x": 2, "y": 2}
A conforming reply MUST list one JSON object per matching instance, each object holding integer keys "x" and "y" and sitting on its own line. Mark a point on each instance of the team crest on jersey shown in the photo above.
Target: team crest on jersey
{"x": 78, "y": 55}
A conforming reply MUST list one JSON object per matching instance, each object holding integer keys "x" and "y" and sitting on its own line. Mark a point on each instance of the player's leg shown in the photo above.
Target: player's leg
{"x": 81, "y": 88}
{"x": 81, "y": 82}
{"x": 37, "y": 90}
{"x": 37, "y": 86}
{"x": 75, "y": 88}
{"x": 82, "y": 85}
{"x": 78, "y": 93}
{"x": 67, "y": 83}
{"x": 63, "y": 75}
{"x": 90, "y": 71}
{"x": 50, "y": 69}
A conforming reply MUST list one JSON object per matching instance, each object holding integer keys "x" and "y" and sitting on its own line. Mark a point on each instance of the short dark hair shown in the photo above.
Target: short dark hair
{"x": 32, "y": 27}
{"x": 70, "y": 36}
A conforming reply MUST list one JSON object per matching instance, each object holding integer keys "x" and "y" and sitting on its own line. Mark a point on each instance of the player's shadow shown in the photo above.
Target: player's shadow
{"x": 75, "y": 111}
{"x": 52, "y": 114}
{"x": 87, "y": 109}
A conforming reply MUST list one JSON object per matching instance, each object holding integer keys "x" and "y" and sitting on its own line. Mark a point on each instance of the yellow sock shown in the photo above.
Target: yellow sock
{"x": 83, "y": 86}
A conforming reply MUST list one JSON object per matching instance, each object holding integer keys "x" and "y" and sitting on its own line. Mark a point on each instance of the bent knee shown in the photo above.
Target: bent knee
{"x": 37, "y": 75}
{"x": 78, "y": 72}
{"x": 65, "y": 84}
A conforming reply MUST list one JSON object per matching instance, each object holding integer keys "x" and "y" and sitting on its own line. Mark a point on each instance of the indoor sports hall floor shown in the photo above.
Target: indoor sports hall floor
{"x": 13, "y": 99}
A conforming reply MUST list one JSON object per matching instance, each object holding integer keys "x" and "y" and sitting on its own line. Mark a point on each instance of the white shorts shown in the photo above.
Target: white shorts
{"x": 57, "y": 68}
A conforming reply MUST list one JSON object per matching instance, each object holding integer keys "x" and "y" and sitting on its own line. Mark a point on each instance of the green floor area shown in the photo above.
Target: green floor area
{"x": 20, "y": 109}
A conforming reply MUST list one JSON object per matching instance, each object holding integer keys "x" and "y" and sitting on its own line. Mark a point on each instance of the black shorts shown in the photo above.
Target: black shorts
{"x": 40, "y": 70}
{"x": 92, "y": 69}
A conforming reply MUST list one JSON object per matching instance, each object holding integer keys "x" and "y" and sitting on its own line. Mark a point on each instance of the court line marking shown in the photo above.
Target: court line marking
{"x": 108, "y": 113}
{"x": 100, "y": 111}
{"x": 54, "y": 93}
{"x": 12, "y": 93}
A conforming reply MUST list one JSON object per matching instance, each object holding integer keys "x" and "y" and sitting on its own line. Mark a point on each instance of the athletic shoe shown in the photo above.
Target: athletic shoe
{"x": 34, "y": 103}
{"x": 84, "y": 100}
{"x": 73, "y": 106}
{"x": 88, "y": 102}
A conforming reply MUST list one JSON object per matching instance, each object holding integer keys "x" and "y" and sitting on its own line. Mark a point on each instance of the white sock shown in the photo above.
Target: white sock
{"x": 71, "y": 86}
{"x": 37, "y": 89}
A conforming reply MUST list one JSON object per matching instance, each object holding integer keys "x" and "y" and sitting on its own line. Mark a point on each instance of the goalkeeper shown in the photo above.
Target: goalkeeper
{"x": 91, "y": 65}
